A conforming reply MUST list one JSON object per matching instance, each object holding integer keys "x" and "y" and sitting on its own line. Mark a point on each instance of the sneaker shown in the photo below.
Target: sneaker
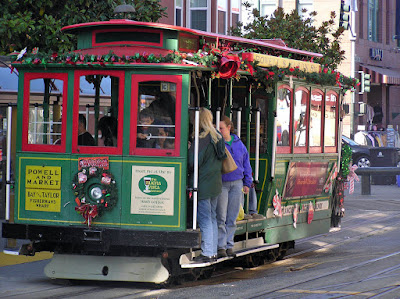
{"x": 247, "y": 217}
{"x": 257, "y": 216}
{"x": 230, "y": 252}
{"x": 203, "y": 259}
{"x": 221, "y": 253}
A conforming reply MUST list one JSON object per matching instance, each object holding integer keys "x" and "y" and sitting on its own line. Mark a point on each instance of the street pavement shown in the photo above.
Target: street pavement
{"x": 388, "y": 192}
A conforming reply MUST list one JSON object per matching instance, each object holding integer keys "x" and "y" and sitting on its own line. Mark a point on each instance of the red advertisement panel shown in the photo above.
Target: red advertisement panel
{"x": 305, "y": 179}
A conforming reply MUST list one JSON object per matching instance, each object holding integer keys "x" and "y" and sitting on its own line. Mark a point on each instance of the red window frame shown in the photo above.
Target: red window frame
{"x": 332, "y": 149}
{"x": 287, "y": 148}
{"x": 301, "y": 149}
{"x": 96, "y": 150}
{"x": 136, "y": 79}
{"x": 52, "y": 148}
{"x": 318, "y": 149}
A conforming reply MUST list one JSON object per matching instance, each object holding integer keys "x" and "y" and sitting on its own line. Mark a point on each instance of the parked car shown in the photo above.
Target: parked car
{"x": 361, "y": 153}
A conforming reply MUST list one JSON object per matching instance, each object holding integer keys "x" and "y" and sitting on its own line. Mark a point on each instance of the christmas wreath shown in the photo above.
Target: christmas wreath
{"x": 95, "y": 192}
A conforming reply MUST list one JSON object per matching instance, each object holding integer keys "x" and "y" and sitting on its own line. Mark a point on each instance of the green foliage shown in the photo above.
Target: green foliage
{"x": 298, "y": 33}
{"x": 29, "y": 23}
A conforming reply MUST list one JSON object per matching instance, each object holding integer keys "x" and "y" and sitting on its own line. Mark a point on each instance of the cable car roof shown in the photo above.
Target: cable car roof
{"x": 268, "y": 44}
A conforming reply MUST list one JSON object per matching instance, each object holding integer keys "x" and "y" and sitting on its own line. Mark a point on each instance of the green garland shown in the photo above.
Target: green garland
{"x": 264, "y": 77}
{"x": 95, "y": 187}
{"x": 346, "y": 161}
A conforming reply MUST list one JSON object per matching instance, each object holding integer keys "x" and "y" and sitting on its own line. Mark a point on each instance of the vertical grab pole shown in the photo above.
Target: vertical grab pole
{"x": 35, "y": 119}
{"x": 209, "y": 93}
{"x": 273, "y": 148}
{"x": 257, "y": 160}
{"x": 230, "y": 98}
{"x": 87, "y": 116}
{"x": 239, "y": 121}
{"x": 196, "y": 165}
{"x": 217, "y": 117}
{"x": 8, "y": 162}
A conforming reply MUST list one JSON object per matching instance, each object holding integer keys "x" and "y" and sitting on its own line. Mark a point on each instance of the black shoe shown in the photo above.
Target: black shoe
{"x": 230, "y": 252}
{"x": 203, "y": 259}
{"x": 221, "y": 253}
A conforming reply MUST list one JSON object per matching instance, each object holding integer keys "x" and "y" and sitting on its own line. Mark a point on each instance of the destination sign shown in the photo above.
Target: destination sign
{"x": 43, "y": 177}
{"x": 43, "y": 200}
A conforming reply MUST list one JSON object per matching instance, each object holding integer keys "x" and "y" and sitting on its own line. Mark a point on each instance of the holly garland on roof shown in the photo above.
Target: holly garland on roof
{"x": 264, "y": 77}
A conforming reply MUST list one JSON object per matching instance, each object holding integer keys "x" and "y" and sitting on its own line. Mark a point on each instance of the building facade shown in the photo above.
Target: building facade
{"x": 372, "y": 46}
{"x": 215, "y": 16}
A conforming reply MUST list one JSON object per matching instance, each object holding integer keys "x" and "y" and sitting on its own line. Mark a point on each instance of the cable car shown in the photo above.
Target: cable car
{"x": 103, "y": 183}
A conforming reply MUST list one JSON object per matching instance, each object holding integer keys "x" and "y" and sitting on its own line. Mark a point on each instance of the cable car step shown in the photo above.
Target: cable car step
{"x": 187, "y": 262}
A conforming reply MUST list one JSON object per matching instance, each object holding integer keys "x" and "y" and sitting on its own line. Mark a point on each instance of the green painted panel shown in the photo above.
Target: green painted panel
{"x": 288, "y": 232}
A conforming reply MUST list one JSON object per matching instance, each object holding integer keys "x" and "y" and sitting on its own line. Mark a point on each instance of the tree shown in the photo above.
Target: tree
{"x": 298, "y": 33}
{"x": 38, "y": 23}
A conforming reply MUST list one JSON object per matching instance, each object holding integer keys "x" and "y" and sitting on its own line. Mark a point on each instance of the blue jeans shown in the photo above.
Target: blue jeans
{"x": 252, "y": 201}
{"x": 207, "y": 220}
{"x": 227, "y": 212}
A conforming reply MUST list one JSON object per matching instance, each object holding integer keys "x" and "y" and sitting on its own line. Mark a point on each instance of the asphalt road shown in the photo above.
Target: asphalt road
{"x": 362, "y": 260}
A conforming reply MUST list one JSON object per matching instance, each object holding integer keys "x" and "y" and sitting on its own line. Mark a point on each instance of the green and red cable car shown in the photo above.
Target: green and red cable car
{"x": 120, "y": 204}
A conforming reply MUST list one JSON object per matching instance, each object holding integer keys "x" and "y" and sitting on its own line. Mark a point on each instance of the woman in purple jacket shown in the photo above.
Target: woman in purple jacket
{"x": 233, "y": 184}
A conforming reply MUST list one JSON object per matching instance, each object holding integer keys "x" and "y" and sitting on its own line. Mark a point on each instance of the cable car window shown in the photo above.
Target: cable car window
{"x": 300, "y": 117}
{"x": 45, "y": 113}
{"x": 330, "y": 119}
{"x": 44, "y": 103}
{"x": 283, "y": 116}
{"x": 98, "y": 110}
{"x": 316, "y": 111}
{"x": 156, "y": 115}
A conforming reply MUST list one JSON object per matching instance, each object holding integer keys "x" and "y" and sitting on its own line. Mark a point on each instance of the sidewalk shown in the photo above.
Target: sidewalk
{"x": 388, "y": 192}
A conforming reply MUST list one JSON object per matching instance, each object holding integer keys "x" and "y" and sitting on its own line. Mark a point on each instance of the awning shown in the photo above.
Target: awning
{"x": 382, "y": 75}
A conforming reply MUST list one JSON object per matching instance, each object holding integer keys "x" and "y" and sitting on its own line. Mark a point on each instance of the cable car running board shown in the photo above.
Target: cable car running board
{"x": 186, "y": 262}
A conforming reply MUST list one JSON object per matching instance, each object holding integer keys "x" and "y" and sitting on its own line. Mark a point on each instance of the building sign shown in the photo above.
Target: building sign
{"x": 376, "y": 54}
{"x": 268, "y": 61}
{"x": 43, "y": 188}
{"x": 152, "y": 190}
{"x": 305, "y": 179}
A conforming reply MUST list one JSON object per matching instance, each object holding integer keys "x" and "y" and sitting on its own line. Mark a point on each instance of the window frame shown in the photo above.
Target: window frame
{"x": 226, "y": 17}
{"x": 332, "y": 149}
{"x": 372, "y": 20}
{"x": 301, "y": 149}
{"x": 208, "y": 13}
{"x": 269, "y": 4}
{"x": 233, "y": 12}
{"x": 181, "y": 9}
{"x": 318, "y": 149}
{"x": 299, "y": 10}
{"x": 51, "y": 148}
{"x": 136, "y": 79}
{"x": 287, "y": 149}
{"x": 98, "y": 150}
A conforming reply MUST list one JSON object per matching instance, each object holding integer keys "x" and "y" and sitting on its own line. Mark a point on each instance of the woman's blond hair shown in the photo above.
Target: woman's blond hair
{"x": 206, "y": 124}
